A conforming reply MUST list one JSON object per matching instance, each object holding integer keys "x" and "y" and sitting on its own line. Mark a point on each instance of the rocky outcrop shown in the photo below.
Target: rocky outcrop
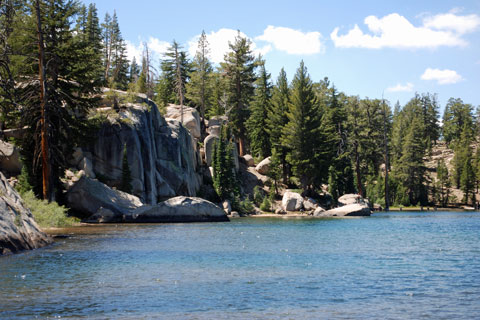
{"x": 310, "y": 204}
{"x": 88, "y": 197}
{"x": 179, "y": 209}
{"x": 208, "y": 144}
{"x": 355, "y": 209}
{"x": 292, "y": 201}
{"x": 264, "y": 166}
{"x": 18, "y": 229}
{"x": 162, "y": 154}
{"x": 9, "y": 158}
{"x": 249, "y": 160}
{"x": 350, "y": 198}
{"x": 191, "y": 119}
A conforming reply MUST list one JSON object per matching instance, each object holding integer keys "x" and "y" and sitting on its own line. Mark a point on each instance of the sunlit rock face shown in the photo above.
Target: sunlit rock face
{"x": 18, "y": 229}
{"x": 162, "y": 154}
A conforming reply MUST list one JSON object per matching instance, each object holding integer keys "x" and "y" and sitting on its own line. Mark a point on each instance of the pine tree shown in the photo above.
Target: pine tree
{"x": 409, "y": 169}
{"x": 443, "y": 182}
{"x": 125, "y": 184}
{"x": 277, "y": 119}
{"x": 239, "y": 71}
{"x": 175, "y": 74}
{"x": 301, "y": 135}
{"x": 467, "y": 178}
{"x": 224, "y": 176}
{"x": 64, "y": 92}
{"x": 198, "y": 89}
{"x": 258, "y": 121}
{"x": 134, "y": 73}
{"x": 456, "y": 117}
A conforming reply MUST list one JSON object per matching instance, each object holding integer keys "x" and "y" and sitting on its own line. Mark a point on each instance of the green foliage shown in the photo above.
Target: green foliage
{"x": 257, "y": 122}
{"x": 410, "y": 168}
{"x": 239, "y": 73}
{"x": 302, "y": 134}
{"x": 457, "y": 119}
{"x": 23, "y": 185}
{"x": 266, "y": 205}
{"x": 126, "y": 182}
{"x": 244, "y": 207}
{"x": 258, "y": 195}
{"x": 443, "y": 183}
{"x": 46, "y": 214}
{"x": 199, "y": 89}
{"x": 224, "y": 175}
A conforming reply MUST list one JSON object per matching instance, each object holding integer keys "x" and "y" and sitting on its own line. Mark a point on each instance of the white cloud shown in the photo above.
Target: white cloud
{"x": 445, "y": 76}
{"x": 395, "y": 31}
{"x": 134, "y": 51}
{"x": 293, "y": 41}
{"x": 156, "y": 47}
{"x": 401, "y": 88}
{"x": 218, "y": 44}
{"x": 450, "y": 21}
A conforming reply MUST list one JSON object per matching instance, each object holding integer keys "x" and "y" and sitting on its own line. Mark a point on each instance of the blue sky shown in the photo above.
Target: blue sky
{"x": 365, "y": 48}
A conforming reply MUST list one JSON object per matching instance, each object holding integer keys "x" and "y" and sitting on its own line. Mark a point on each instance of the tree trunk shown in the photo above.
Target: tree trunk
{"x": 46, "y": 179}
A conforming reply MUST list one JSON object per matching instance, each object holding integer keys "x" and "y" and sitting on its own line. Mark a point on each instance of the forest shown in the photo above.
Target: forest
{"x": 57, "y": 55}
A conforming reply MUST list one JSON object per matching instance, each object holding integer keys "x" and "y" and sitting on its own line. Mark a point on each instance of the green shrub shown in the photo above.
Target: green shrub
{"x": 257, "y": 195}
{"x": 266, "y": 205}
{"x": 46, "y": 214}
{"x": 245, "y": 207}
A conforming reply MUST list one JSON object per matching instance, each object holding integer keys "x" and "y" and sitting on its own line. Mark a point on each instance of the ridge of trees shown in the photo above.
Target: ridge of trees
{"x": 55, "y": 56}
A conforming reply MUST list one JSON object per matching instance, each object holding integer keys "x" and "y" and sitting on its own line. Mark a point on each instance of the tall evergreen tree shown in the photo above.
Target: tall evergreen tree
{"x": 410, "y": 169}
{"x": 257, "y": 123}
{"x": 224, "y": 176}
{"x": 302, "y": 133}
{"x": 277, "y": 119}
{"x": 456, "y": 116}
{"x": 175, "y": 74}
{"x": 443, "y": 182}
{"x": 198, "y": 89}
{"x": 239, "y": 72}
{"x": 64, "y": 91}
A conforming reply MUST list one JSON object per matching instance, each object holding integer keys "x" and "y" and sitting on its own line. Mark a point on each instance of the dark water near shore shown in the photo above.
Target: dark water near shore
{"x": 388, "y": 266}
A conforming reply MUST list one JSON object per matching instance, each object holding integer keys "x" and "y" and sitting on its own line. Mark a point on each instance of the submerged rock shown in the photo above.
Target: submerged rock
{"x": 354, "y": 209}
{"x": 179, "y": 209}
{"x": 18, "y": 229}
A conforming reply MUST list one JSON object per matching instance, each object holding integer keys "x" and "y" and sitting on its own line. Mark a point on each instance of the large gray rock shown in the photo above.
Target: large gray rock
{"x": 191, "y": 119}
{"x": 309, "y": 204}
{"x": 264, "y": 166}
{"x": 179, "y": 209}
{"x": 249, "y": 160}
{"x": 292, "y": 201}
{"x": 88, "y": 196}
{"x": 18, "y": 229}
{"x": 217, "y": 121}
{"x": 161, "y": 154}
{"x": 9, "y": 158}
{"x": 208, "y": 144}
{"x": 354, "y": 209}
{"x": 349, "y": 198}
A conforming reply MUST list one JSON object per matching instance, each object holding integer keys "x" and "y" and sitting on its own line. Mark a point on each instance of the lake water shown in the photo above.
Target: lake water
{"x": 419, "y": 265}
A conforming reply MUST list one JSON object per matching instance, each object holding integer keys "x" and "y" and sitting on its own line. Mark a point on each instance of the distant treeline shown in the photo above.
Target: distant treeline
{"x": 55, "y": 56}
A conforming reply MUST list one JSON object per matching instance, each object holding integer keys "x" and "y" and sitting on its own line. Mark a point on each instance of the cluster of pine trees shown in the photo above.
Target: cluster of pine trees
{"x": 56, "y": 55}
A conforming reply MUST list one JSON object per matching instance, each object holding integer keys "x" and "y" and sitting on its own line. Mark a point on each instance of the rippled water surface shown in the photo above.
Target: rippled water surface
{"x": 388, "y": 266}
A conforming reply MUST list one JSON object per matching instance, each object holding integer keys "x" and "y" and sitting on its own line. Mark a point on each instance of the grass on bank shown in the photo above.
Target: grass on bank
{"x": 48, "y": 215}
